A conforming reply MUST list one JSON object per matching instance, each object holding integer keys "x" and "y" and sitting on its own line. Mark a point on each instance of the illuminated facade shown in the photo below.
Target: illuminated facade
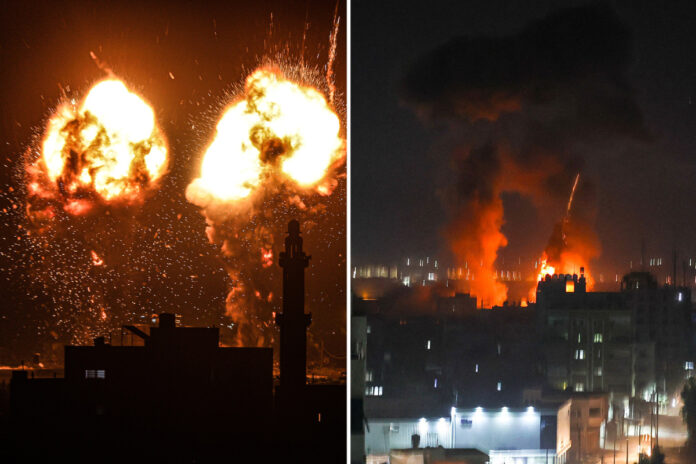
{"x": 505, "y": 434}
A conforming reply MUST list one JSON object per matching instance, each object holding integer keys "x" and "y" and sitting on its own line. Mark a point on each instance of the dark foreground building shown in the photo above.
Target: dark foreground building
{"x": 180, "y": 397}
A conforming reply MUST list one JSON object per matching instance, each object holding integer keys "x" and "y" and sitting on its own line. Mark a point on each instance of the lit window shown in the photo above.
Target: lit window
{"x": 579, "y": 338}
{"x": 435, "y": 383}
{"x": 579, "y": 387}
{"x": 368, "y": 376}
{"x": 427, "y": 345}
{"x": 689, "y": 366}
{"x": 431, "y": 276}
{"x": 598, "y": 371}
{"x": 570, "y": 286}
{"x": 598, "y": 338}
{"x": 579, "y": 354}
{"x": 95, "y": 374}
{"x": 499, "y": 387}
{"x": 680, "y": 296}
{"x": 368, "y": 330}
{"x": 407, "y": 281}
{"x": 500, "y": 347}
{"x": 476, "y": 368}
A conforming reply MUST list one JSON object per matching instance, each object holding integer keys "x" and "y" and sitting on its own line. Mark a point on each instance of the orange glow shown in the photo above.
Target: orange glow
{"x": 570, "y": 263}
{"x": 480, "y": 245}
{"x": 96, "y": 260}
{"x": 109, "y": 145}
{"x": 279, "y": 128}
{"x": 266, "y": 257}
{"x": 545, "y": 269}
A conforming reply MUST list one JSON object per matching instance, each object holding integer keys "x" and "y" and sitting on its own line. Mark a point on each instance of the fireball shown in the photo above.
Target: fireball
{"x": 108, "y": 148}
{"x": 277, "y": 129}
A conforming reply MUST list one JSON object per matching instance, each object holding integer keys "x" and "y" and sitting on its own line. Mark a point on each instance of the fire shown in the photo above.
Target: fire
{"x": 570, "y": 263}
{"x": 279, "y": 128}
{"x": 266, "y": 257}
{"x": 96, "y": 259}
{"x": 545, "y": 269}
{"x": 277, "y": 153}
{"x": 108, "y": 147}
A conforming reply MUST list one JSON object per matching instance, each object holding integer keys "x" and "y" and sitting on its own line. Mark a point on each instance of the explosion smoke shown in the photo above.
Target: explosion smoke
{"x": 97, "y": 252}
{"x": 276, "y": 154}
{"x": 107, "y": 150}
{"x": 532, "y": 107}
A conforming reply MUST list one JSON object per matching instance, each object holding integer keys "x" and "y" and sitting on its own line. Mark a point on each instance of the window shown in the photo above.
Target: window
{"x": 95, "y": 374}
{"x": 368, "y": 376}
{"x": 431, "y": 276}
{"x": 598, "y": 338}
{"x": 579, "y": 387}
{"x": 435, "y": 383}
{"x": 499, "y": 386}
{"x": 579, "y": 354}
{"x": 579, "y": 338}
{"x": 499, "y": 348}
{"x": 689, "y": 366}
{"x": 598, "y": 371}
{"x": 407, "y": 281}
{"x": 374, "y": 390}
{"x": 476, "y": 368}
{"x": 427, "y": 345}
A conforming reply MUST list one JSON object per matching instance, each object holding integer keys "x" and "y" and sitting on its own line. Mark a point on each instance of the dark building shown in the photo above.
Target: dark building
{"x": 178, "y": 392}
{"x": 178, "y": 396}
{"x": 634, "y": 344}
{"x": 449, "y": 354}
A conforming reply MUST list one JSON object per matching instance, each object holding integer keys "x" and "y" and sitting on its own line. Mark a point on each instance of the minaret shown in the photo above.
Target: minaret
{"x": 293, "y": 321}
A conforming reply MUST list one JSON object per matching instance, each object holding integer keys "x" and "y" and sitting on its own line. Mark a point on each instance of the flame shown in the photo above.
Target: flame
{"x": 545, "y": 268}
{"x": 277, "y": 128}
{"x": 109, "y": 146}
{"x": 476, "y": 237}
{"x": 570, "y": 263}
{"x": 96, "y": 259}
{"x": 266, "y": 257}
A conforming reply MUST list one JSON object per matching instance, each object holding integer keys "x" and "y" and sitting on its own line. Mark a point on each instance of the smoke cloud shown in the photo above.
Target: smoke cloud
{"x": 527, "y": 109}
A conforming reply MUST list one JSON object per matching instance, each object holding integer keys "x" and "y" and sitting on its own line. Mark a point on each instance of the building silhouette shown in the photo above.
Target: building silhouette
{"x": 178, "y": 396}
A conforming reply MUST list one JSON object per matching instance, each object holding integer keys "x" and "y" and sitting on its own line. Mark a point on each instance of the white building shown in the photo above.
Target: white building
{"x": 507, "y": 435}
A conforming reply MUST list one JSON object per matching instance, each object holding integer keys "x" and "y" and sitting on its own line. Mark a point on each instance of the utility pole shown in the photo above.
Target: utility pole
{"x": 626, "y": 450}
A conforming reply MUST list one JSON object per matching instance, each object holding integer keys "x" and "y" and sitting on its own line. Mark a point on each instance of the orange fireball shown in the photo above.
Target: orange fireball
{"x": 109, "y": 147}
{"x": 279, "y": 128}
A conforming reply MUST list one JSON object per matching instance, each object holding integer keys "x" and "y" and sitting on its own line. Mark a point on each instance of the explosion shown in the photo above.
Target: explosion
{"x": 570, "y": 248}
{"x": 527, "y": 111}
{"x": 276, "y": 152}
{"x": 99, "y": 255}
{"x": 108, "y": 149}
{"x": 279, "y": 129}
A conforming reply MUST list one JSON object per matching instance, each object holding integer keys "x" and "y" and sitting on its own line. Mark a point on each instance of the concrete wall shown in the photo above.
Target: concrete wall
{"x": 386, "y": 434}
{"x": 498, "y": 429}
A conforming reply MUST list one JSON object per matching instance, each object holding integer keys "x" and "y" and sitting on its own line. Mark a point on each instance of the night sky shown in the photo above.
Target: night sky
{"x": 186, "y": 59}
{"x": 400, "y": 162}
